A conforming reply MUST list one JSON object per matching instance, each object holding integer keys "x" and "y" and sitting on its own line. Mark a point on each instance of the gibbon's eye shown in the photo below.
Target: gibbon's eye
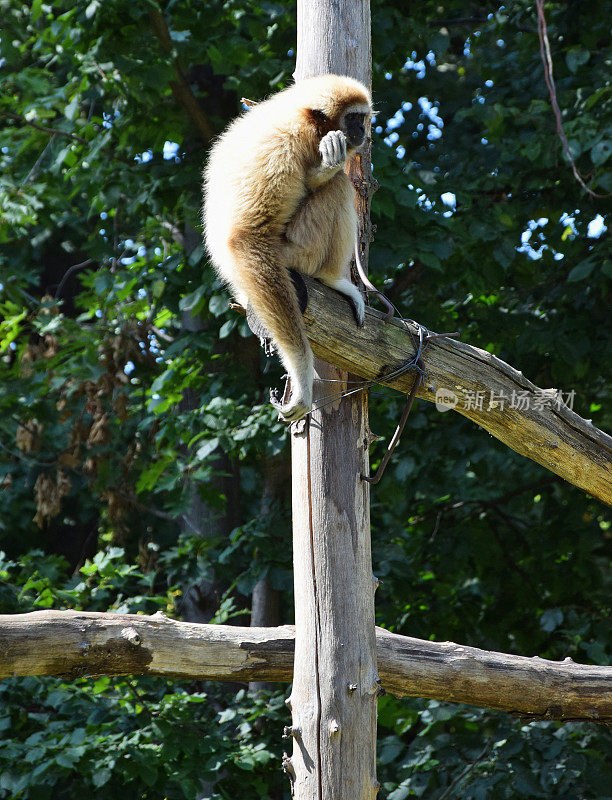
{"x": 355, "y": 131}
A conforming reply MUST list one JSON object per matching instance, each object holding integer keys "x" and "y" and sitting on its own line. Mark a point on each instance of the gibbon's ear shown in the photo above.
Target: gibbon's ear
{"x": 318, "y": 115}
{"x": 319, "y": 120}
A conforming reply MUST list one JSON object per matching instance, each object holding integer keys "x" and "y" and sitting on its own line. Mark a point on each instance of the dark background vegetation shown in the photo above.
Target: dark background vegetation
{"x": 141, "y": 466}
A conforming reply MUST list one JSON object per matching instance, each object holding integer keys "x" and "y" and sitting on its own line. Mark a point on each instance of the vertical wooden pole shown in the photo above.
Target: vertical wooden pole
{"x": 335, "y": 682}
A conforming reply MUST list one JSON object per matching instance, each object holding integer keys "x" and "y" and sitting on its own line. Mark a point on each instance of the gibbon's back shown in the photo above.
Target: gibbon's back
{"x": 241, "y": 179}
{"x": 263, "y": 151}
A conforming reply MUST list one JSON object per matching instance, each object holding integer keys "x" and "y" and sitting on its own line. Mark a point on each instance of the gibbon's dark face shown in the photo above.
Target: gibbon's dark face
{"x": 354, "y": 128}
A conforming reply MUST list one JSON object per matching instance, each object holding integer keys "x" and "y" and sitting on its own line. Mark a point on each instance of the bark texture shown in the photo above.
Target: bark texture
{"x": 76, "y": 643}
{"x": 539, "y": 428}
{"x": 335, "y": 685}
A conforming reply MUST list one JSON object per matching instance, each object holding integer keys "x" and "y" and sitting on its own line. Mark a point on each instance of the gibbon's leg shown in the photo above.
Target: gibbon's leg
{"x": 346, "y": 287}
{"x": 263, "y": 278}
{"x": 333, "y": 270}
{"x": 321, "y": 238}
{"x": 309, "y": 232}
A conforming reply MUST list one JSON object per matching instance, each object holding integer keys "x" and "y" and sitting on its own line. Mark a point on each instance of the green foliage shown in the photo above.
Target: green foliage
{"x": 130, "y": 395}
{"x": 107, "y": 582}
{"x": 131, "y": 737}
{"x": 431, "y": 748}
{"x": 134, "y": 738}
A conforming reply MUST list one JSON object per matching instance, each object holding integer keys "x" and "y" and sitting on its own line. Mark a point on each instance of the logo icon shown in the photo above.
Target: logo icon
{"x": 445, "y": 400}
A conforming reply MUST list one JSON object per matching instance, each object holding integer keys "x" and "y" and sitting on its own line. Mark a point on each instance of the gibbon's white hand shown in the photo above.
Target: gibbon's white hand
{"x": 333, "y": 149}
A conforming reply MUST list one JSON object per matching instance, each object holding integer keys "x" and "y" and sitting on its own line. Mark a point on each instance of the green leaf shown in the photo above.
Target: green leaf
{"x": 196, "y": 256}
{"x": 193, "y": 302}
{"x": 601, "y": 152}
{"x": 101, "y": 776}
{"x": 205, "y": 449}
{"x": 158, "y": 288}
{"x": 551, "y": 619}
{"x": 69, "y": 756}
{"x": 581, "y": 270}
{"x": 92, "y": 8}
{"x": 576, "y": 58}
{"x": 227, "y": 328}
{"x": 389, "y": 749}
{"x": 439, "y": 43}
{"x": 227, "y": 715}
{"x": 36, "y": 10}
{"x": 160, "y": 382}
{"x": 217, "y": 305}
{"x": 149, "y": 477}
{"x": 71, "y": 110}
{"x": 103, "y": 282}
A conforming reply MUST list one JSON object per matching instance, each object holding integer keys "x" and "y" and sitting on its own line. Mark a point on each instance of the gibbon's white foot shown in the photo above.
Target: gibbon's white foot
{"x": 293, "y": 410}
{"x": 300, "y": 369}
{"x": 333, "y": 150}
{"x": 348, "y": 289}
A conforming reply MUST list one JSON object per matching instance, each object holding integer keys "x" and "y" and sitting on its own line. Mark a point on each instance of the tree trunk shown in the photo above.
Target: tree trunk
{"x": 265, "y": 601}
{"x": 264, "y": 613}
{"x": 335, "y": 685}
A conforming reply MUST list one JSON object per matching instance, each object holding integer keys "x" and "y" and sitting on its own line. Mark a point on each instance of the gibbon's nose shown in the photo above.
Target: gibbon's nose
{"x": 355, "y": 129}
{"x": 358, "y": 135}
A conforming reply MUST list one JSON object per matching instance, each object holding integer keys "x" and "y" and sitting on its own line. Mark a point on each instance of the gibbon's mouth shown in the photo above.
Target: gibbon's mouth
{"x": 355, "y": 144}
{"x": 355, "y": 130}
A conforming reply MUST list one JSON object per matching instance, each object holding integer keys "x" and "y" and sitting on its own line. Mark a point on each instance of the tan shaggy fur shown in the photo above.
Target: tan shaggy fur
{"x": 277, "y": 197}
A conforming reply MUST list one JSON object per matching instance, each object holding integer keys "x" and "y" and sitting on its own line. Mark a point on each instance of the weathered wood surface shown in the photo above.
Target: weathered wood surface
{"x": 76, "y": 643}
{"x": 553, "y": 436}
{"x": 335, "y": 683}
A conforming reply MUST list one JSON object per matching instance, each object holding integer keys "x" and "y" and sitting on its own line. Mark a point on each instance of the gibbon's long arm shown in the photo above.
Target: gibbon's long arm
{"x": 276, "y": 198}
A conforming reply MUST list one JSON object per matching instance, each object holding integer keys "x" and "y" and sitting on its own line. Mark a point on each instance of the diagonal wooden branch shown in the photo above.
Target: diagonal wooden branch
{"x": 76, "y": 643}
{"x": 538, "y": 427}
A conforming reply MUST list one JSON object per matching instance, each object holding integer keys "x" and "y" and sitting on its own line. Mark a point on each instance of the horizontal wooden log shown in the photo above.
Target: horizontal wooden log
{"x": 76, "y": 643}
{"x": 538, "y": 427}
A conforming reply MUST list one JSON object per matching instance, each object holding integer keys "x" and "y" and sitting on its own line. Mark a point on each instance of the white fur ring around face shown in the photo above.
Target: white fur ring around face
{"x": 333, "y": 149}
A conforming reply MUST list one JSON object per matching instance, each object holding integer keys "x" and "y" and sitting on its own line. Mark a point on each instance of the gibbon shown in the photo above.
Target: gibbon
{"x": 276, "y": 198}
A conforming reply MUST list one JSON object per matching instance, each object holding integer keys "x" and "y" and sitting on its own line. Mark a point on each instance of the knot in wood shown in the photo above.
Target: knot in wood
{"x": 288, "y": 767}
{"x": 132, "y": 636}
